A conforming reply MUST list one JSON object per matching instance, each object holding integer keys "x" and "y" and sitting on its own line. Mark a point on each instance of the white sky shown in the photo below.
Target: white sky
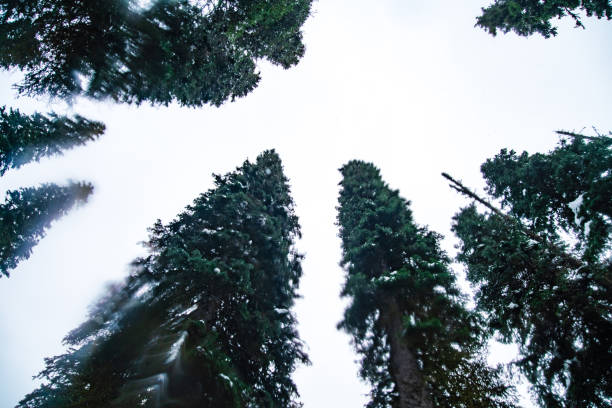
{"x": 409, "y": 85}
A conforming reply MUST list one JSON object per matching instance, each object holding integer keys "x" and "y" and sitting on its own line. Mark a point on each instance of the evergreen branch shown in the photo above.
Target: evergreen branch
{"x": 570, "y": 260}
{"x": 574, "y": 16}
{"x": 578, "y": 135}
{"x": 466, "y": 191}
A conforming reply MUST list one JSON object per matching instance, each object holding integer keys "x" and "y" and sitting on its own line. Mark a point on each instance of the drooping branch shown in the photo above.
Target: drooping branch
{"x": 574, "y": 16}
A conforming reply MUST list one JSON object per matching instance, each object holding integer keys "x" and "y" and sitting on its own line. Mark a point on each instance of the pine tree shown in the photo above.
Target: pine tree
{"x": 28, "y": 212}
{"x": 543, "y": 270}
{"x": 419, "y": 344}
{"x": 191, "y": 52}
{"x": 526, "y": 17}
{"x": 26, "y": 138}
{"x": 204, "y": 320}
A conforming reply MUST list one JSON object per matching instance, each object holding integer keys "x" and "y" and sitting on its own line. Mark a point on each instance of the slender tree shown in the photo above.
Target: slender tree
{"x": 543, "y": 269}
{"x": 28, "y": 212}
{"x": 526, "y": 17}
{"x": 419, "y": 344}
{"x": 26, "y": 138}
{"x": 204, "y": 320}
{"x": 192, "y": 52}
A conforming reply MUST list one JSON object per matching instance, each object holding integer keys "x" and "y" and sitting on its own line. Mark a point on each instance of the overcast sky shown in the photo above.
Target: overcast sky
{"x": 410, "y": 85}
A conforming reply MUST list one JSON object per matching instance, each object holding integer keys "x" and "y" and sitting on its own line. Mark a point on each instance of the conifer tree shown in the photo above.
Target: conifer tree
{"x": 28, "y": 212}
{"x": 204, "y": 320}
{"x": 192, "y": 52}
{"x": 419, "y": 344}
{"x": 526, "y": 17}
{"x": 26, "y": 138}
{"x": 543, "y": 269}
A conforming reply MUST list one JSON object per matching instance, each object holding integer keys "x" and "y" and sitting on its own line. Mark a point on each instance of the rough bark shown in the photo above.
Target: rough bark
{"x": 405, "y": 370}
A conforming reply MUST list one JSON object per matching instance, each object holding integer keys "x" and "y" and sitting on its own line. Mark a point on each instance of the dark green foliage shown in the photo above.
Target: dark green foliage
{"x": 397, "y": 269}
{"x": 541, "y": 189}
{"x": 28, "y": 212}
{"x": 26, "y": 138}
{"x": 204, "y": 320}
{"x": 552, "y": 298}
{"x": 526, "y": 17}
{"x": 174, "y": 50}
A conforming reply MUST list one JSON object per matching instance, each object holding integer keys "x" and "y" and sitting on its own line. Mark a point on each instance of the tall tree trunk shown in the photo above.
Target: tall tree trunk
{"x": 404, "y": 367}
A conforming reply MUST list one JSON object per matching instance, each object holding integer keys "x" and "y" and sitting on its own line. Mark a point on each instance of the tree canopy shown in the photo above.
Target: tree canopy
{"x": 526, "y": 17}
{"x": 420, "y": 345}
{"x": 191, "y": 52}
{"x": 204, "y": 320}
{"x": 543, "y": 270}
{"x": 28, "y": 212}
